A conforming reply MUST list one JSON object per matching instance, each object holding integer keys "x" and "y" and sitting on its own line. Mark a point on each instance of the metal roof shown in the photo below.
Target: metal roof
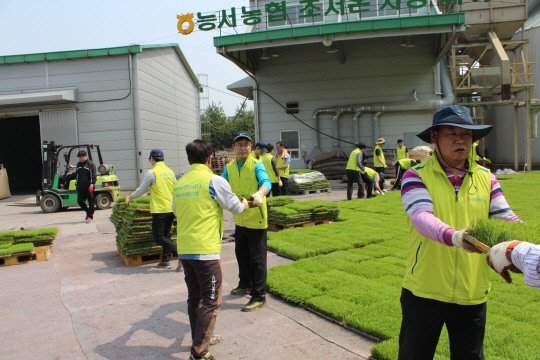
{"x": 90, "y": 53}
{"x": 532, "y": 22}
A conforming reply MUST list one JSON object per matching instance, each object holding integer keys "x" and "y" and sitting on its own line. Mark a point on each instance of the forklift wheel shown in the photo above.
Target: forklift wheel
{"x": 103, "y": 201}
{"x": 50, "y": 203}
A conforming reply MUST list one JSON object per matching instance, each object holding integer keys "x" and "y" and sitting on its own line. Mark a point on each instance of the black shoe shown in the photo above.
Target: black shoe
{"x": 164, "y": 264}
{"x": 254, "y": 304}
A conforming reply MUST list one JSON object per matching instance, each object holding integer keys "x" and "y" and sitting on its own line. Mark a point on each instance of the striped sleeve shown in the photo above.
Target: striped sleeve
{"x": 419, "y": 207}
{"x": 526, "y": 257}
{"x": 498, "y": 207}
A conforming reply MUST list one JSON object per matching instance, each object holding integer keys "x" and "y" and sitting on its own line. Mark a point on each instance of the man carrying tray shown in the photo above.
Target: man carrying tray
{"x": 446, "y": 281}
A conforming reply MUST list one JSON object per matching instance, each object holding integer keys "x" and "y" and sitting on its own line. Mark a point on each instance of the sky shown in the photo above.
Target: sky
{"x": 32, "y": 26}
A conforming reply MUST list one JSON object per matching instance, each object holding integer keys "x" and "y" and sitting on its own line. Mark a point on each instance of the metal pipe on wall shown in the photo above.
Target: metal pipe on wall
{"x": 335, "y": 127}
{"x": 356, "y": 133}
{"x": 375, "y": 124}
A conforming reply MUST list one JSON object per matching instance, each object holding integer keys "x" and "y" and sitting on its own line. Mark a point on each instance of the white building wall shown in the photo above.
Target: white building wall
{"x": 500, "y": 142}
{"x": 375, "y": 71}
{"x": 168, "y": 107}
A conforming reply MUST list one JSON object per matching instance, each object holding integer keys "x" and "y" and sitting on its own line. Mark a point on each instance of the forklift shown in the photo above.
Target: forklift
{"x": 58, "y": 190}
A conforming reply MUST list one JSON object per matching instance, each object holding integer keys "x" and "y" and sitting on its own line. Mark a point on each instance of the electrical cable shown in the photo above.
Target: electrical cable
{"x": 129, "y": 93}
{"x": 226, "y": 93}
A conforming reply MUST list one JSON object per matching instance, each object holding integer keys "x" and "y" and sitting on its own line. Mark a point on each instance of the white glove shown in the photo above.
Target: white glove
{"x": 498, "y": 261}
{"x": 245, "y": 203}
{"x": 128, "y": 199}
{"x": 459, "y": 242}
{"x": 385, "y": 166}
{"x": 257, "y": 199}
{"x": 280, "y": 183}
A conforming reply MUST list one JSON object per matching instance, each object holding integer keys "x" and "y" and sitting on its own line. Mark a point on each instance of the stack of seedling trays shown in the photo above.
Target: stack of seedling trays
{"x": 324, "y": 210}
{"x": 29, "y": 243}
{"x": 285, "y": 216}
{"x": 133, "y": 224}
{"x": 321, "y": 184}
{"x": 278, "y": 201}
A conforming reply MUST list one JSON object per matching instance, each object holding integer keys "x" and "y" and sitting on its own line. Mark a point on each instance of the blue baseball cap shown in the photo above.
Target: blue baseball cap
{"x": 156, "y": 152}
{"x": 261, "y": 145}
{"x": 458, "y": 116}
{"x": 242, "y": 135}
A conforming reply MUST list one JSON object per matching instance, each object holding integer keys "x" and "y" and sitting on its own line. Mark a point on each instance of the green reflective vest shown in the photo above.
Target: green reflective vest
{"x": 352, "y": 164}
{"x": 370, "y": 172}
{"x": 282, "y": 172}
{"x": 474, "y": 153}
{"x": 160, "y": 192}
{"x": 376, "y": 161}
{"x": 245, "y": 183}
{"x": 405, "y": 164}
{"x": 267, "y": 162}
{"x": 401, "y": 152}
{"x": 447, "y": 273}
{"x": 253, "y": 155}
{"x": 200, "y": 219}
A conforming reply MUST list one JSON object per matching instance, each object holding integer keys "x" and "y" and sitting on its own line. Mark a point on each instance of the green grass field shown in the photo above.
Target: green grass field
{"x": 352, "y": 271}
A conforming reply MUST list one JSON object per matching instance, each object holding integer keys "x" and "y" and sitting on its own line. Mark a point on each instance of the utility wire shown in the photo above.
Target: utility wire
{"x": 238, "y": 113}
{"x": 122, "y": 98}
{"x": 226, "y": 93}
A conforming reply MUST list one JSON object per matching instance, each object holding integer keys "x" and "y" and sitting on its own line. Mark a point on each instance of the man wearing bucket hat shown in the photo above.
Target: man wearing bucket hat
{"x": 379, "y": 162}
{"x": 446, "y": 280}
{"x": 160, "y": 179}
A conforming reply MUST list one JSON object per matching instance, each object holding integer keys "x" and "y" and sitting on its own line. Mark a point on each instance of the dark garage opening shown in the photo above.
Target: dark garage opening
{"x": 20, "y": 152}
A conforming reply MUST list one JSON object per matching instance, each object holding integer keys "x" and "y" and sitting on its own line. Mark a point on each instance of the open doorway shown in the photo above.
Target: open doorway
{"x": 20, "y": 152}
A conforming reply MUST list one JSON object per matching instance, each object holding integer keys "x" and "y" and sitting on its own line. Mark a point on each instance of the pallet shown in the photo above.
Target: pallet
{"x": 309, "y": 192}
{"x": 276, "y": 227}
{"x": 40, "y": 253}
{"x": 135, "y": 260}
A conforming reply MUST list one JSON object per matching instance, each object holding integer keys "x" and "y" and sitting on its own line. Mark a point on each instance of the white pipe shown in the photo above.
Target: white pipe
{"x": 356, "y": 133}
{"x": 335, "y": 128}
{"x": 375, "y": 124}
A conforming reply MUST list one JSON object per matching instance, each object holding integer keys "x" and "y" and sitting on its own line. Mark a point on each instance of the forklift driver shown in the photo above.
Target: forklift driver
{"x": 86, "y": 178}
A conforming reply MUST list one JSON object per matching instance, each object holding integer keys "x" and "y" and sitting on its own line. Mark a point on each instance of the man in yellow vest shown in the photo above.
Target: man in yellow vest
{"x": 371, "y": 179}
{"x": 199, "y": 198}
{"x": 270, "y": 164}
{"x": 379, "y": 163}
{"x": 248, "y": 178}
{"x": 446, "y": 280}
{"x": 401, "y": 153}
{"x": 283, "y": 159}
{"x": 476, "y": 153}
{"x": 160, "y": 179}
{"x": 403, "y": 165}
{"x": 354, "y": 170}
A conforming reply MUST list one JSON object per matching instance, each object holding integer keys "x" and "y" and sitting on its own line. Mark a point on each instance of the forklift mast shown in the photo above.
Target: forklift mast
{"x": 50, "y": 162}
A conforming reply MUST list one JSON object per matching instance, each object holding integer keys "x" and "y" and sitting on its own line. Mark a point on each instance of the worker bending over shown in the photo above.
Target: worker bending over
{"x": 248, "y": 178}
{"x": 371, "y": 179}
{"x": 283, "y": 160}
{"x": 270, "y": 164}
{"x": 354, "y": 171}
{"x": 379, "y": 163}
{"x": 402, "y": 166}
{"x": 85, "y": 179}
{"x": 446, "y": 281}
{"x": 516, "y": 254}
{"x": 199, "y": 198}
{"x": 160, "y": 179}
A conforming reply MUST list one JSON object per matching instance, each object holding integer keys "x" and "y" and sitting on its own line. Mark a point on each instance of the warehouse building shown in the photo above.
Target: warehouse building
{"x": 128, "y": 100}
{"x": 358, "y": 74}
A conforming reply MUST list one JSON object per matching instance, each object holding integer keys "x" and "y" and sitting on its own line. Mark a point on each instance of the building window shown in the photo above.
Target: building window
{"x": 291, "y": 140}
{"x": 293, "y": 16}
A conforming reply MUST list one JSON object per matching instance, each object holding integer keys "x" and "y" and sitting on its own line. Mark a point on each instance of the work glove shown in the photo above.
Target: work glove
{"x": 91, "y": 188}
{"x": 245, "y": 203}
{"x": 459, "y": 242}
{"x": 128, "y": 199}
{"x": 499, "y": 258}
{"x": 280, "y": 183}
{"x": 257, "y": 199}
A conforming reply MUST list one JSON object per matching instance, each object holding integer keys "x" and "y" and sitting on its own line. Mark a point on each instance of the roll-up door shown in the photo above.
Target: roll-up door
{"x": 61, "y": 127}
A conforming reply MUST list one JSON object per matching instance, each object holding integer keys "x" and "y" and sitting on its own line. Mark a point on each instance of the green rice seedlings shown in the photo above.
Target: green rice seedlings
{"x": 5, "y": 245}
{"x": 495, "y": 231}
{"x": 142, "y": 200}
{"x": 121, "y": 199}
{"x": 301, "y": 171}
{"x": 21, "y": 248}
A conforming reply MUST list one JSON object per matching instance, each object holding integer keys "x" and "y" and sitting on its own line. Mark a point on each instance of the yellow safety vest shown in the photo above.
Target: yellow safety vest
{"x": 405, "y": 164}
{"x": 160, "y": 192}
{"x": 401, "y": 152}
{"x": 252, "y": 154}
{"x": 474, "y": 153}
{"x": 245, "y": 182}
{"x": 352, "y": 164}
{"x": 370, "y": 172}
{"x": 282, "y": 172}
{"x": 267, "y": 162}
{"x": 376, "y": 161}
{"x": 200, "y": 224}
{"x": 447, "y": 273}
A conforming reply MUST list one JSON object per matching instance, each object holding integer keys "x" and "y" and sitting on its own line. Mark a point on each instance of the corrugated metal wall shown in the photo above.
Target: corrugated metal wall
{"x": 168, "y": 107}
{"x": 375, "y": 71}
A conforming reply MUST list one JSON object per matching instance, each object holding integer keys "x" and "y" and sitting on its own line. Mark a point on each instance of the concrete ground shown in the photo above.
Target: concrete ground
{"x": 84, "y": 303}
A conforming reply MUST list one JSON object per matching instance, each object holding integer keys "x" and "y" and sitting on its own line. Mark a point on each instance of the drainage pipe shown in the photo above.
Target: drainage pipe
{"x": 316, "y": 136}
{"x": 534, "y": 121}
{"x": 335, "y": 128}
{"x": 375, "y": 124}
{"x": 356, "y": 134}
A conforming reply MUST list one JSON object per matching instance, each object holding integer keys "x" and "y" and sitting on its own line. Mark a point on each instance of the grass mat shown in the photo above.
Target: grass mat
{"x": 352, "y": 271}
